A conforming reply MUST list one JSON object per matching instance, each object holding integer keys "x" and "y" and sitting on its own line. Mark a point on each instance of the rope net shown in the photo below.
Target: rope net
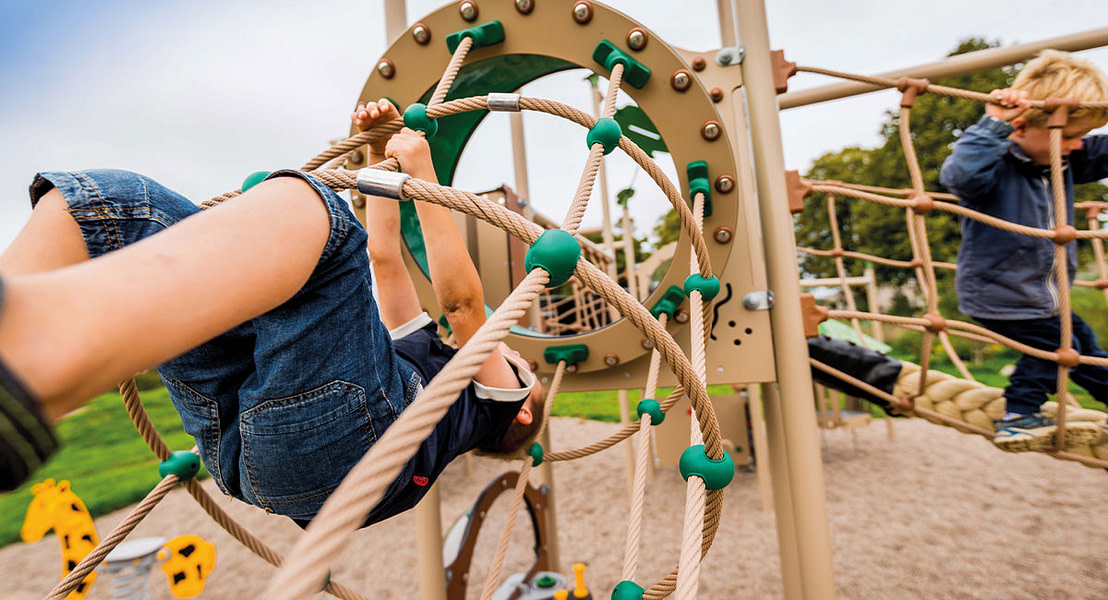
{"x": 346, "y": 509}
{"x": 963, "y": 403}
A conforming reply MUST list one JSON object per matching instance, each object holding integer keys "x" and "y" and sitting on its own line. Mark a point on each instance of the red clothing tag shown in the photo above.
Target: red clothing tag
{"x": 420, "y": 480}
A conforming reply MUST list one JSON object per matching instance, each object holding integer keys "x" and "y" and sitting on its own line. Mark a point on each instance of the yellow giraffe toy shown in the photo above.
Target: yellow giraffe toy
{"x": 56, "y": 507}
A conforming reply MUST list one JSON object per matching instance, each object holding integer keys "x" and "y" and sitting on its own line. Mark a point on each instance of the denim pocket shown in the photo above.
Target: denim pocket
{"x": 200, "y": 418}
{"x": 296, "y": 450}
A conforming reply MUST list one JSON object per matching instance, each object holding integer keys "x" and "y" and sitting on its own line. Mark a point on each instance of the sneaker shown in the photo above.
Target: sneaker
{"x": 1028, "y": 433}
{"x": 1024, "y": 433}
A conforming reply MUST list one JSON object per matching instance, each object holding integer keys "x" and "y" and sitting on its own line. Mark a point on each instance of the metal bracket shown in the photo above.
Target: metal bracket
{"x": 731, "y": 55}
{"x": 375, "y": 182}
{"x": 501, "y": 102}
{"x": 758, "y": 300}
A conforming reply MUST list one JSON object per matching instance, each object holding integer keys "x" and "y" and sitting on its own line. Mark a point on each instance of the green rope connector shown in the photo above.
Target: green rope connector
{"x": 628, "y": 590}
{"x": 715, "y": 473}
{"x": 669, "y": 302}
{"x": 697, "y": 172}
{"x": 606, "y": 132}
{"x": 184, "y": 464}
{"x": 635, "y": 73}
{"x": 415, "y": 117}
{"x": 653, "y": 408}
{"x": 254, "y": 179}
{"x": 536, "y": 454}
{"x": 483, "y": 36}
{"x": 707, "y": 286}
{"x": 571, "y": 353}
{"x": 556, "y": 252}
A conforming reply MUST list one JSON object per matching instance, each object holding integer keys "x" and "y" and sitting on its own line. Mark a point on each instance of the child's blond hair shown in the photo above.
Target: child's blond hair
{"x": 1055, "y": 74}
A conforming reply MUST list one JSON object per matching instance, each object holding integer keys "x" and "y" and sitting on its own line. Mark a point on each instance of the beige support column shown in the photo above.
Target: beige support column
{"x": 432, "y": 572}
{"x": 783, "y": 510}
{"x": 628, "y": 444}
{"x": 546, "y": 477}
{"x": 761, "y": 447}
{"x": 523, "y": 190}
{"x": 871, "y": 299}
{"x": 606, "y": 209}
{"x": 795, "y": 408}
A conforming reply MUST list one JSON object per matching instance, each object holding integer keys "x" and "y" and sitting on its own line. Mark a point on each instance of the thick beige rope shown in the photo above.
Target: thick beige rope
{"x": 580, "y": 201}
{"x": 451, "y": 71}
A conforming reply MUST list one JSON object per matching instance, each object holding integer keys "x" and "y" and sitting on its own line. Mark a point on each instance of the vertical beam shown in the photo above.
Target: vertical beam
{"x": 432, "y": 572}
{"x": 871, "y": 301}
{"x": 778, "y": 465}
{"x": 396, "y": 19}
{"x": 761, "y": 447}
{"x": 796, "y": 404}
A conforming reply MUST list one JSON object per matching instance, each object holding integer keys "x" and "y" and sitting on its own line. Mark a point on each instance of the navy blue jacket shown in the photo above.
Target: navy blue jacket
{"x": 1003, "y": 275}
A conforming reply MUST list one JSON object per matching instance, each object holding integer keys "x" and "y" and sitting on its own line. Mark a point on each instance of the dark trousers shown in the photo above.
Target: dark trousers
{"x": 1034, "y": 378}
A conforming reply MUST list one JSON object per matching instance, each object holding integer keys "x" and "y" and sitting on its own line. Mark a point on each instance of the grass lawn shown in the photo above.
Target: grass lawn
{"x": 103, "y": 457}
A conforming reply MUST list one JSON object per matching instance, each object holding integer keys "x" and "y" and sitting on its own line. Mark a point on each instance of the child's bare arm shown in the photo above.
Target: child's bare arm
{"x": 398, "y": 301}
{"x": 454, "y": 277}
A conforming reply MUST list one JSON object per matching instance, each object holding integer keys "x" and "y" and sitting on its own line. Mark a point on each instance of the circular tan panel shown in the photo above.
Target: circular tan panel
{"x": 551, "y": 30}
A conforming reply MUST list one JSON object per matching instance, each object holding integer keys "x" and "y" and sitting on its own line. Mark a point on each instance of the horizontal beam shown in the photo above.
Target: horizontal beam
{"x": 835, "y": 281}
{"x": 962, "y": 64}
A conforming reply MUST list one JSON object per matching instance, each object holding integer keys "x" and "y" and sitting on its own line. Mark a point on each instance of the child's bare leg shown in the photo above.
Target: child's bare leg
{"x": 74, "y": 332}
{"x": 50, "y": 240}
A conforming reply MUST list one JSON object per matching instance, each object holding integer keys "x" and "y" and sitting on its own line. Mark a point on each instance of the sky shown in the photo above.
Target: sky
{"x": 199, "y": 94}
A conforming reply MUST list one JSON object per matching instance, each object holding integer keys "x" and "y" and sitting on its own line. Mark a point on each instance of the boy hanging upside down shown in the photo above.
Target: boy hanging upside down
{"x": 1006, "y": 281}
{"x": 260, "y": 318}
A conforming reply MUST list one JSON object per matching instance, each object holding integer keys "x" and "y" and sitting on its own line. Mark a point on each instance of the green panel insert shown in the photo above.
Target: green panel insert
{"x": 483, "y": 36}
{"x": 697, "y": 172}
{"x": 669, "y": 302}
{"x": 640, "y": 129}
{"x": 635, "y": 73}
{"x": 571, "y": 353}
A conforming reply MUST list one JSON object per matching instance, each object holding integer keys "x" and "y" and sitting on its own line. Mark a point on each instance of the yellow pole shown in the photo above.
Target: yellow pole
{"x": 795, "y": 406}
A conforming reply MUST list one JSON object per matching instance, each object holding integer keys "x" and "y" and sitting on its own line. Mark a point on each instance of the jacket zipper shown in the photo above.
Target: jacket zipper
{"x": 1052, "y": 276}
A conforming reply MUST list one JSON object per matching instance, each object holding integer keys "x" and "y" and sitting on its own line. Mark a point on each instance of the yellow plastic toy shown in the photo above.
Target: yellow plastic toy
{"x": 580, "y": 590}
{"x": 56, "y": 507}
{"x": 187, "y": 560}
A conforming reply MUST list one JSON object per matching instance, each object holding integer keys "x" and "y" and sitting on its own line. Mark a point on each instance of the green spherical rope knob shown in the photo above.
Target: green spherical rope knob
{"x": 536, "y": 454}
{"x": 707, "y": 286}
{"x": 182, "y": 463}
{"x": 653, "y": 408}
{"x": 415, "y": 117}
{"x": 715, "y": 473}
{"x": 627, "y": 590}
{"x": 606, "y": 132}
{"x": 556, "y": 252}
{"x": 254, "y": 179}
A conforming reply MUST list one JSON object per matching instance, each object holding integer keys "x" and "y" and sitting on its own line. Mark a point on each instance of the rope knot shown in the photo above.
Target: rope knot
{"x": 910, "y": 88}
{"x": 1059, "y": 110}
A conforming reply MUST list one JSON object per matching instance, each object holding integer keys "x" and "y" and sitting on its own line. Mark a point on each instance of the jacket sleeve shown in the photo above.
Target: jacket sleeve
{"x": 970, "y": 170}
{"x": 1090, "y": 163}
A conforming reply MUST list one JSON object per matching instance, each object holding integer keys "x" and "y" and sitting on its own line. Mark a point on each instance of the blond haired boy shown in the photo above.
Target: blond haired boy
{"x": 1001, "y": 167}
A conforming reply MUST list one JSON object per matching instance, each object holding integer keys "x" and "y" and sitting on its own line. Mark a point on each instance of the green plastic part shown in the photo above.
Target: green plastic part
{"x": 627, "y": 590}
{"x": 536, "y": 454}
{"x": 669, "y": 302}
{"x": 415, "y": 117}
{"x": 653, "y": 408}
{"x": 635, "y": 73}
{"x": 254, "y": 179}
{"x": 556, "y": 252}
{"x": 606, "y": 132}
{"x": 546, "y": 582}
{"x": 184, "y": 464}
{"x": 715, "y": 473}
{"x": 326, "y": 581}
{"x": 708, "y": 286}
{"x": 697, "y": 172}
{"x": 640, "y": 129}
{"x": 483, "y": 36}
{"x": 624, "y": 196}
{"x": 571, "y": 353}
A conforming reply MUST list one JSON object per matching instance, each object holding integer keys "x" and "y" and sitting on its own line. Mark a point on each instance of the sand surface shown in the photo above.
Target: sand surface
{"x": 934, "y": 514}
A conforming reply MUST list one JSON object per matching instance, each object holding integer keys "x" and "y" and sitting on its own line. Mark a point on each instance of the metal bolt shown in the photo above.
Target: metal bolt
{"x": 711, "y": 130}
{"x": 357, "y": 200}
{"x": 725, "y": 56}
{"x": 724, "y": 184}
{"x": 582, "y": 12}
{"x": 646, "y": 344}
{"x": 716, "y": 94}
{"x": 468, "y": 10}
{"x": 681, "y": 80}
{"x": 571, "y": 368}
{"x": 386, "y": 68}
{"x": 636, "y": 38}
{"x": 722, "y": 235}
{"x": 421, "y": 33}
{"x": 534, "y": 366}
{"x": 681, "y": 316}
{"x": 525, "y": 6}
{"x": 611, "y": 359}
{"x": 699, "y": 63}
{"x": 357, "y": 157}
